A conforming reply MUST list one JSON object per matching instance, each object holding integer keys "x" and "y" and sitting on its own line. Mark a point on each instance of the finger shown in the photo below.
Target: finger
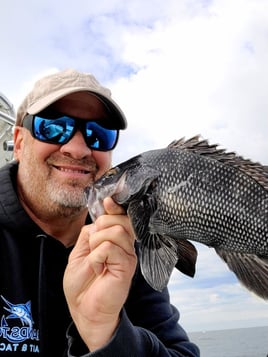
{"x": 112, "y": 257}
{"x": 115, "y": 234}
{"x": 82, "y": 247}
{"x": 104, "y": 221}
{"x": 109, "y": 220}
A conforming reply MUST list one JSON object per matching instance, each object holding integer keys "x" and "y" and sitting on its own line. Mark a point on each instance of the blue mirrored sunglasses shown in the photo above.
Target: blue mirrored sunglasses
{"x": 61, "y": 129}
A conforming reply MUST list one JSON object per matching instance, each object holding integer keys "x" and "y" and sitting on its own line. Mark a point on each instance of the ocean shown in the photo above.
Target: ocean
{"x": 243, "y": 342}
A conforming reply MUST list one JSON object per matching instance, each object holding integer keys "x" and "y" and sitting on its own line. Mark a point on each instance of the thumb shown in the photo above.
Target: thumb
{"x": 111, "y": 207}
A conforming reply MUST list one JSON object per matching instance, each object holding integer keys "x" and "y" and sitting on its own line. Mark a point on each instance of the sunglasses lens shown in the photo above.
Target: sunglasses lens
{"x": 61, "y": 130}
{"x": 57, "y": 131}
{"x": 100, "y": 138}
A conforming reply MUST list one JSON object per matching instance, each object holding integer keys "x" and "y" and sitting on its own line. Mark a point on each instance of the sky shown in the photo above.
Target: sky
{"x": 177, "y": 68}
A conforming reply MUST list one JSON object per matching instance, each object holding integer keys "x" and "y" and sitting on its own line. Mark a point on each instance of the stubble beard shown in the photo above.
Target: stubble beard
{"x": 44, "y": 194}
{"x": 70, "y": 195}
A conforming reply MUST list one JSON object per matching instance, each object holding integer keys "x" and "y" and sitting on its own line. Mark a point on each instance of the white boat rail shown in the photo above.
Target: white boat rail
{"x": 7, "y": 122}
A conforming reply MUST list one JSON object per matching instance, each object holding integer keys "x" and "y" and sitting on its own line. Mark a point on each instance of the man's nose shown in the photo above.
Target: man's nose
{"x": 76, "y": 146}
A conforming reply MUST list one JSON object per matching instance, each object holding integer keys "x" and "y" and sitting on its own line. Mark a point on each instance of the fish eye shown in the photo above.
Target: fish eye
{"x": 111, "y": 172}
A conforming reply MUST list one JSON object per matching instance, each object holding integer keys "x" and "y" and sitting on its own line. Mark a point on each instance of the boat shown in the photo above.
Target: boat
{"x": 7, "y": 122}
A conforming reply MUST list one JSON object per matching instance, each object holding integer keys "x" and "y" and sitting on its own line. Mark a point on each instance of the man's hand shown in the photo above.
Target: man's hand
{"x": 99, "y": 274}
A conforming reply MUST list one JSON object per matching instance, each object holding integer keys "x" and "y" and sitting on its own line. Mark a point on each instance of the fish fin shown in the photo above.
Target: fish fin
{"x": 200, "y": 146}
{"x": 158, "y": 257}
{"x": 186, "y": 251}
{"x": 187, "y": 258}
{"x": 158, "y": 253}
{"x": 251, "y": 270}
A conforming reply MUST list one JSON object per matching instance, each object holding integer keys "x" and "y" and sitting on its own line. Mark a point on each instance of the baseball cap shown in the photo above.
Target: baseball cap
{"x": 49, "y": 89}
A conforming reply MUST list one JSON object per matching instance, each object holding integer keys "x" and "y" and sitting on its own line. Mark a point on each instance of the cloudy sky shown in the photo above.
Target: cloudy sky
{"x": 177, "y": 68}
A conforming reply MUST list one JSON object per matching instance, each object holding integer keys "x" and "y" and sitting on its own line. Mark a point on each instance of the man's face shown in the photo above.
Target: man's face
{"x": 55, "y": 175}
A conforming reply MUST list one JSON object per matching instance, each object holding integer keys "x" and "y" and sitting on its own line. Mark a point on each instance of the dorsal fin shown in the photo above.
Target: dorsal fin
{"x": 200, "y": 146}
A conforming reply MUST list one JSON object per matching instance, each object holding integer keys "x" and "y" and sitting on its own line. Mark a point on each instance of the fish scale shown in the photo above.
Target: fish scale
{"x": 236, "y": 196}
{"x": 192, "y": 191}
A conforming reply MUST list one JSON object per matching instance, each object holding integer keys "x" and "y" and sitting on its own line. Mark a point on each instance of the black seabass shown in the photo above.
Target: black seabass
{"x": 193, "y": 191}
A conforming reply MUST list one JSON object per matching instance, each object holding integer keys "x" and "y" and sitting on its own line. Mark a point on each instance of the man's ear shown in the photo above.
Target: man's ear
{"x": 18, "y": 138}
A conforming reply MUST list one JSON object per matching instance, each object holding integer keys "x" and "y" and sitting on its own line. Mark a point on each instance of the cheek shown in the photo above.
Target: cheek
{"x": 29, "y": 149}
{"x": 103, "y": 160}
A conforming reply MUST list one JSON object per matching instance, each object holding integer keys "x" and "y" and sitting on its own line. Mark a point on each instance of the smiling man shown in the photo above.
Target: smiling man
{"x": 70, "y": 287}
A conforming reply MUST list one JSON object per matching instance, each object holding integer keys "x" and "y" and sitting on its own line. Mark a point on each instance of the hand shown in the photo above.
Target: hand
{"x": 99, "y": 274}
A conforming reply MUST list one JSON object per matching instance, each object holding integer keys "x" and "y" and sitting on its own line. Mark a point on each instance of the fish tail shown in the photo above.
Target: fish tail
{"x": 250, "y": 269}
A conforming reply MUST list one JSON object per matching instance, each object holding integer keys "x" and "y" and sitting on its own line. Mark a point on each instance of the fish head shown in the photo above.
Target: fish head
{"x": 125, "y": 182}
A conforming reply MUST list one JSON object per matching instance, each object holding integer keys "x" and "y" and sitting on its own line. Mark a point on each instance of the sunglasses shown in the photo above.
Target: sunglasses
{"x": 60, "y": 128}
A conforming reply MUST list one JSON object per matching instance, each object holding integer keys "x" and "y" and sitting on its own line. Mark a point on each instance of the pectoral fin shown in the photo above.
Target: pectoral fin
{"x": 159, "y": 253}
{"x": 158, "y": 257}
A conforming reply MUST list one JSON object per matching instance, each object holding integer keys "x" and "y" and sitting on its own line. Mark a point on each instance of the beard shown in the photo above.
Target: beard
{"x": 69, "y": 195}
{"x": 45, "y": 195}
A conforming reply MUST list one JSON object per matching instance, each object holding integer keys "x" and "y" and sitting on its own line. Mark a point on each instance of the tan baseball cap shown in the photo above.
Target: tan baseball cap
{"x": 49, "y": 89}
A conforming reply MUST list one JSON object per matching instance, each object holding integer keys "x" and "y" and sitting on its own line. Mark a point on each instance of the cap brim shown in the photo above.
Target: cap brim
{"x": 41, "y": 104}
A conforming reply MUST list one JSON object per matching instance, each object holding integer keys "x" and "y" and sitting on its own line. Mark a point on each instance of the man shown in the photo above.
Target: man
{"x": 70, "y": 287}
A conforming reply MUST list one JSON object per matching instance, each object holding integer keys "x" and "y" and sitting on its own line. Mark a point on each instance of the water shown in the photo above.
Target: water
{"x": 243, "y": 342}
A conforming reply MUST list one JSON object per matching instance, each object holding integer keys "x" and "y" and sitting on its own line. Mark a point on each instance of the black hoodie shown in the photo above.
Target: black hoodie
{"x": 34, "y": 316}
{"x": 33, "y": 311}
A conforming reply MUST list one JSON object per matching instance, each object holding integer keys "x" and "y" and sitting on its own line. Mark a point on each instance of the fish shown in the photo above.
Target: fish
{"x": 192, "y": 191}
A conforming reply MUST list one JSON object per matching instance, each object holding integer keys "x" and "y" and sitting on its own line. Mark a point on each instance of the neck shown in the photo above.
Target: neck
{"x": 65, "y": 228}
{"x": 60, "y": 222}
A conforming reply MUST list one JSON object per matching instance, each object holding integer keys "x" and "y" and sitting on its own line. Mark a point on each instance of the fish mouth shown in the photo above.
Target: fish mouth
{"x": 94, "y": 202}
{"x": 96, "y": 193}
